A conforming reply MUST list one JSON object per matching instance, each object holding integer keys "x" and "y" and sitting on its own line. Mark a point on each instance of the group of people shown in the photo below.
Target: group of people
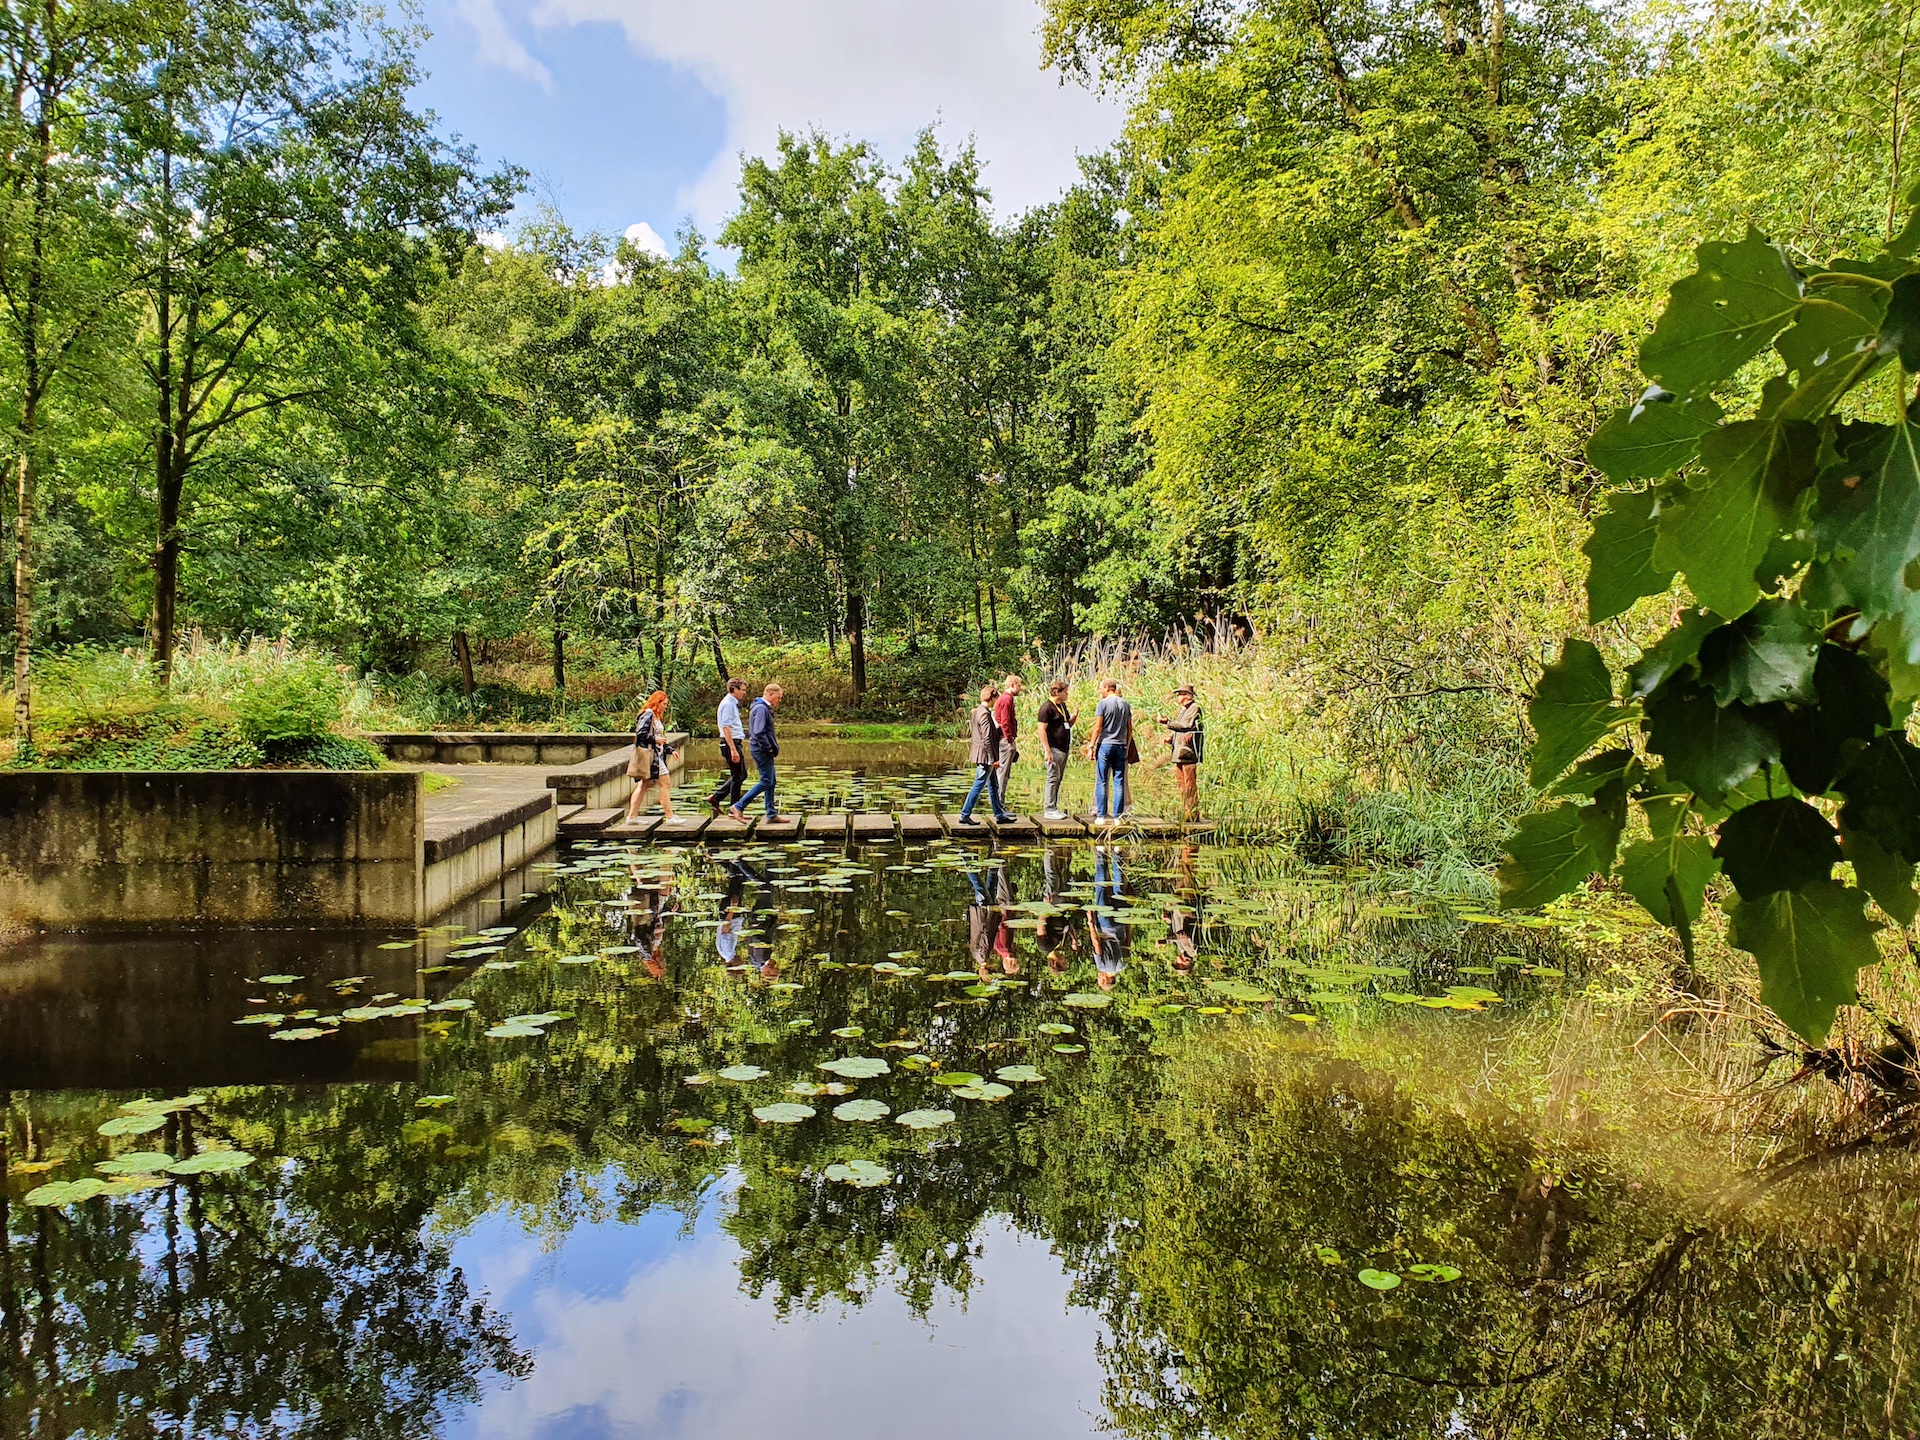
{"x": 994, "y": 746}
{"x": 742, "y": 737}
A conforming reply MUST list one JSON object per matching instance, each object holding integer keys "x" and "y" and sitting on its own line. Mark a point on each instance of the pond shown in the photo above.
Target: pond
{"x": 944, "y": 1140}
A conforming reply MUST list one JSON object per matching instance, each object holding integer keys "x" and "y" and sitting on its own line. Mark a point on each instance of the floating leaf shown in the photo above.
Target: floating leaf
{"x": 742, "y": 1074}
{"x": 1433, "y": 1274}
{"x": 861, "y": 1111}
{"x": 433, "y": 1102}
{"x": 866, "y": 1174}
{"x": 66, "y": 1192}
{"x": 267, "y": 1017}
{"x": 1019, "y": 1075}
{"x": 1087, "y": 1000}
{"x": 958, "y": 1077}
{"x": 1069, "y": 1049}
{"x": 132, "y": 1184}
{"x": 511, "y": 1031}
{"x": 784, "y": 1113}
{"x": 213, "y": 1162}
{"x": 459, "y": 1003}
{"x": 137, "y": 1162}
{"x": 1054, "y": 1027}
{"x": 135, "y": 1124}
{"x": 987, "y": 1090}
{"x": 278, "y": 979}
{"x": 925, "y": 1119}
{"x": 1379, "y": 1279}
{"x": 302, "y": 1032}
{"x": 856, "y": 1067}
{"x": 849, "y": 1032}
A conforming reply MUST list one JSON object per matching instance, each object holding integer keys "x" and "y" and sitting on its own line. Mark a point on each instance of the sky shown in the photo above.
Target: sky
{"x": 631, "y": 115}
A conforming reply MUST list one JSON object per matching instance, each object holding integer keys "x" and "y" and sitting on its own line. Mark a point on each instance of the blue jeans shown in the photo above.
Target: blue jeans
{"x": 764, "y": 786}
{"x": 985, "y": 777}
{"x": 1110, "y": 777}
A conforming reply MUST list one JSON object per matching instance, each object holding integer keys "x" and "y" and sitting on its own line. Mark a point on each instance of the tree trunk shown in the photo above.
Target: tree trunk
{"x": 166, "y": 560}
{"x": 559, "y": 663}
{"x": 857, "y": 641}
{"x": 463, "y": 652}
{"x": 26, "y": 487}
{"x": 719, "y": 656}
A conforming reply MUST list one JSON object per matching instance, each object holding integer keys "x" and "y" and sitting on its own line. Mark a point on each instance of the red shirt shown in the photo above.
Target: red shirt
{"x": 1004, "y": 717}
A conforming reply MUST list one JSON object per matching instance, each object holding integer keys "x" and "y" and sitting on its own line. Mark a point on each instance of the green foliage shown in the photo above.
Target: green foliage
{"x": 1776, "y": 716}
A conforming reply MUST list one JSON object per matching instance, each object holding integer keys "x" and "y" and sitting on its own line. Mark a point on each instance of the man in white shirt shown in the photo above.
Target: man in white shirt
{"x": 733, "y": 749}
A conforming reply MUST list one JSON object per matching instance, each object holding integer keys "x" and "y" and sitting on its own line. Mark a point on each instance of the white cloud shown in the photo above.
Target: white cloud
{"x": 498, "y": 45}
{"x": 876, "y": 70}
{"x": 643, "y": 236}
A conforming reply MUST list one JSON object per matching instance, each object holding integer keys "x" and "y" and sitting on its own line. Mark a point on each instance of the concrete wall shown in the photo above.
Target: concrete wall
{"x": 456, "y": 873}
{"x": 141, "y": 849}
{"x": 498, "y": 747}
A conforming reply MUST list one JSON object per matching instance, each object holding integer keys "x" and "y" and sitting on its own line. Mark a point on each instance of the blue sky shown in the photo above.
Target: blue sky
{"x": 634, "y": 112}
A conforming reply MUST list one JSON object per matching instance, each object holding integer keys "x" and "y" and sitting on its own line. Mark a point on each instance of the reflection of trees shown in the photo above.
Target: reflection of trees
{"x": 1187, "y": 1177}
{"x": 287, "y": 1301}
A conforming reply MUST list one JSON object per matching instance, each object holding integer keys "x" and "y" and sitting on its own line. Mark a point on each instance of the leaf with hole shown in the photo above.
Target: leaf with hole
{"x": 1434, "y": 1274}
{"x": 1379, "y": 1279}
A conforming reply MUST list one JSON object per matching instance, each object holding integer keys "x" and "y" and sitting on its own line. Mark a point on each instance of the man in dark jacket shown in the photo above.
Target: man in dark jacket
{"x": 763, "y": 745}
{"x": 983, "y": 753}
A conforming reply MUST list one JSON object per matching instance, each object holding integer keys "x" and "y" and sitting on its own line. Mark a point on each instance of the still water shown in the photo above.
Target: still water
{"x": 946, "y": 1140}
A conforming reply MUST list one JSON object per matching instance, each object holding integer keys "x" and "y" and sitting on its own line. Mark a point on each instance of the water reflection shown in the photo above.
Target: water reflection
{"x": 587, "y": 1231}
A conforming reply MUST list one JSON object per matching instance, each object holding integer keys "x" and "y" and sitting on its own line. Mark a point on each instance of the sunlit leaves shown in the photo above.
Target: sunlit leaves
{"x": 1722, "y": 315}
{"x": 1716, "y": 532}
{"x": 1620, "y": 555}
{"x": 1571, "y": 708}
{"x": 1809, "y": 945}
{"x": 1653, "y": 437}
{"x": 1553, "y": 851}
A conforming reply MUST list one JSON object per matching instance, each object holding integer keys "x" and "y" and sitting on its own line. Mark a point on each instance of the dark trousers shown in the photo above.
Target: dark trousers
{"x": 728, "y": 792}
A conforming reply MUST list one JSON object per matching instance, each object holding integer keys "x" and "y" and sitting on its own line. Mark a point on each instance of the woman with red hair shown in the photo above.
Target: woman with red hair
{"x": 648, "y": 767}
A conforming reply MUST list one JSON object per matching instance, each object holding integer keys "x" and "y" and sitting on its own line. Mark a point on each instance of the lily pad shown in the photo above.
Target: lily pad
{"x": 1087, "y": 1000}
{"x": 1478, "y": 993}
{"x": 278, "y": 979}
{"x": 1069, "y": 1049}
{"x": 211, "y": 1162}
{"x": 987, "y": 1090}
{"x": 958, "y": 1077}
{"x": 66, "y": 1192}
{"x": 1019, "y": 1075}
{"x": 1054, "y": 1027}
{"x": 1437, "y": 1274}
{"x": 135, "y": 1124}
{"x": 266, "y": 1017}
{"x": 861, "y": 1112}
{"x": 866, "y": 1174}
{"x": 458, "y": 1003}
{"x": 299, "y": 1032}
{"x": 1379, "y": 1279}
{"x": 849, "y": 1032}
{"x": 137, "y": 1162}
{"x": 857, "y": 1067}
{"x": 433, "y": 1102}
{"x": 925, "y": 1119}
{"x": 131, "y": 1184}
{"x": 1240, "y": 991}
{"x": 742, "y": 1074}
{"x": 784, "y": 1113}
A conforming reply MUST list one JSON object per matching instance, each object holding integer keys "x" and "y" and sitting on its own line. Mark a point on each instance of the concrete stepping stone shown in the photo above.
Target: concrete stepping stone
{"x": 873, "y": 827}
{"x": 728, "y": 828}
{"x": 1070, "y": 827}
{"x": 787, "y": 829}
{"x": 826, "y": 827}
{"x": 681, "y": 827}
{"x": 587, "y": 822}
{"x": 632, "y": 829}
{"x": 981, "y": 829}
{"x": 920, "y": 827}
{"x": 1020, "y": 827}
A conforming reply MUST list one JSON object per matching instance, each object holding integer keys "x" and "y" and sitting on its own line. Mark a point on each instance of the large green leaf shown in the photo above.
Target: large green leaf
{"x": 1829, "y": 347}
{"x": 1654, "y": 436}
{"x": 1852, "y": 707}
{"x": 1718, "y": 532}
{"x": 1597, "y": 772}
{"x": 1708, "y": 748}
{"x": 1810, "y": 945}
{"x": 1722, "y": 315}
{"x": 1553, "y": 851}
{"x": 1687, "y": 860}
{"x": 1619, "y": 552}
{"x": 1884, "y": 876}
{"x": 1672, "y": 653}
{"x": 1868, "y": 514}
{"x": 1882, "y": 787}
{"x": 1767, "y": 654}
{"x": 1782, "y": 844}
{"x": 1571, "y": 708}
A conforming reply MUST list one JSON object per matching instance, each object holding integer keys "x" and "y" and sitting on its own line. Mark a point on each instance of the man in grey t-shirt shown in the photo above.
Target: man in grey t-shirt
{"x": 1112, "y": 730}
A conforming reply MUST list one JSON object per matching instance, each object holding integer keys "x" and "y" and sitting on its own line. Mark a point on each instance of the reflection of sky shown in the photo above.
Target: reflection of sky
{"x": 642, "y": 1330}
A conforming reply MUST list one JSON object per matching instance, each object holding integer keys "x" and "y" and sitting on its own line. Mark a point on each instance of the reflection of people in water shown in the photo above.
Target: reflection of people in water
{"x": 989, "y": 932}
{"x": 1110, "y": 938}
{"x": 1055, "y": 932}
{"x": 1184, "y": 920}
{"x": 646, "y": 923}
{"x": 726, "y": 940}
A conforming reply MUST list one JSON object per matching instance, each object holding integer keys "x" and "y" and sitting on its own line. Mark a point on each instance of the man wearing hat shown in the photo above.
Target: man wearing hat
{"x": 1187, "y": 744}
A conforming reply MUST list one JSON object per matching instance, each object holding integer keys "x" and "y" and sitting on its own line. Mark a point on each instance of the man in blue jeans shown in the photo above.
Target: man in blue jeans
{"x": 984, "y": 752}
{"x": 1112, "y": 729}
{"x": 763, "y": 745}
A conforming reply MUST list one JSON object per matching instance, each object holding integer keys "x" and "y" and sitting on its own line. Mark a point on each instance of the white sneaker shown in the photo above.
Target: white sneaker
{"x": 1053, "y": 815}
